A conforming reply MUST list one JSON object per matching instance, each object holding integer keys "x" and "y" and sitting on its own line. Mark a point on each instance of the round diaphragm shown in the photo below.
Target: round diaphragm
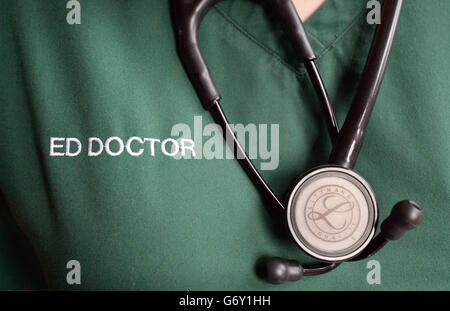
{"x": 332, "y": 213}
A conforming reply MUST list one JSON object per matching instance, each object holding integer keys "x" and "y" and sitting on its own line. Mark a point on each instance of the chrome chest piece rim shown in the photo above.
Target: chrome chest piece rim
{"x": 332, "y": 213}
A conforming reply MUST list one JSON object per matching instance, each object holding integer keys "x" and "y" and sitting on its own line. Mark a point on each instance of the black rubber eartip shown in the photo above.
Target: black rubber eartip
{"x": 405, "y": 215}
{"x": 279, "y": 270}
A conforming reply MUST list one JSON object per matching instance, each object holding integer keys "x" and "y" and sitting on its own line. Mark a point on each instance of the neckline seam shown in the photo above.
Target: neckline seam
{"x": 299, "y": 72}
{"x": 261, "y": 45}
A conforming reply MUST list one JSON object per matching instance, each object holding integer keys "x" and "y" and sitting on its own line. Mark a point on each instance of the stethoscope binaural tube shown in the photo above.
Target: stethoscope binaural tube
{"x": 347, "y": 142}
{"x": 346, "y": 149}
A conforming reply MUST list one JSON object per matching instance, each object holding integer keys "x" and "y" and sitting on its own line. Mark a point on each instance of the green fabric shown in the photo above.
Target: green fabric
{"x": 159, "y": 223}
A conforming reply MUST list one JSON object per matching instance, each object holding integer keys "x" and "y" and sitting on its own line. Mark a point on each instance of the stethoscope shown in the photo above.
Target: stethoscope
{"x": 331, "y": 211}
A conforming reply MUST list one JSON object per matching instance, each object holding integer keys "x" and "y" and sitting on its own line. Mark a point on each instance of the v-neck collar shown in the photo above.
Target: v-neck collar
{"x": 325, "y": 28}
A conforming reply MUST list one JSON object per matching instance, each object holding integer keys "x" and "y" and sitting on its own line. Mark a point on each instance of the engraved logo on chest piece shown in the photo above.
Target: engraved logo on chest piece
{"x": 332, "y": 213}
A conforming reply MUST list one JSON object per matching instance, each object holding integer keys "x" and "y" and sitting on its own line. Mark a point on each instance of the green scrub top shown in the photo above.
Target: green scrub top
{"x": 159, "y": 223}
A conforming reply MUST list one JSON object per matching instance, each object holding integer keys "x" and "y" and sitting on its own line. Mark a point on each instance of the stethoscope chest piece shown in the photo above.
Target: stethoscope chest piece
{"x": 332, "y": 213}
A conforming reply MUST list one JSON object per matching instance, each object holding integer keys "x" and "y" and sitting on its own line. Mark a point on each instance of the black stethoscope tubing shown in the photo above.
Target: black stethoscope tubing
{"x": 346, "y": 142}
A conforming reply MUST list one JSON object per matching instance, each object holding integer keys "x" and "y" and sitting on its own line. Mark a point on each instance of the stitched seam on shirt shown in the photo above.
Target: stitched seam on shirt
{"x": 261, "y": 45}
{"x": 274, "y": 54}
{"x": 317, "y": 39}
{"x": 342, "y": 34}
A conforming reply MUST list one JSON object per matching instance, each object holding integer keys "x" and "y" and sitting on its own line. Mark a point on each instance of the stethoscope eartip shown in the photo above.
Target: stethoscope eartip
{"x": 278, "y": 270}
{"x": 405, "y": 215}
